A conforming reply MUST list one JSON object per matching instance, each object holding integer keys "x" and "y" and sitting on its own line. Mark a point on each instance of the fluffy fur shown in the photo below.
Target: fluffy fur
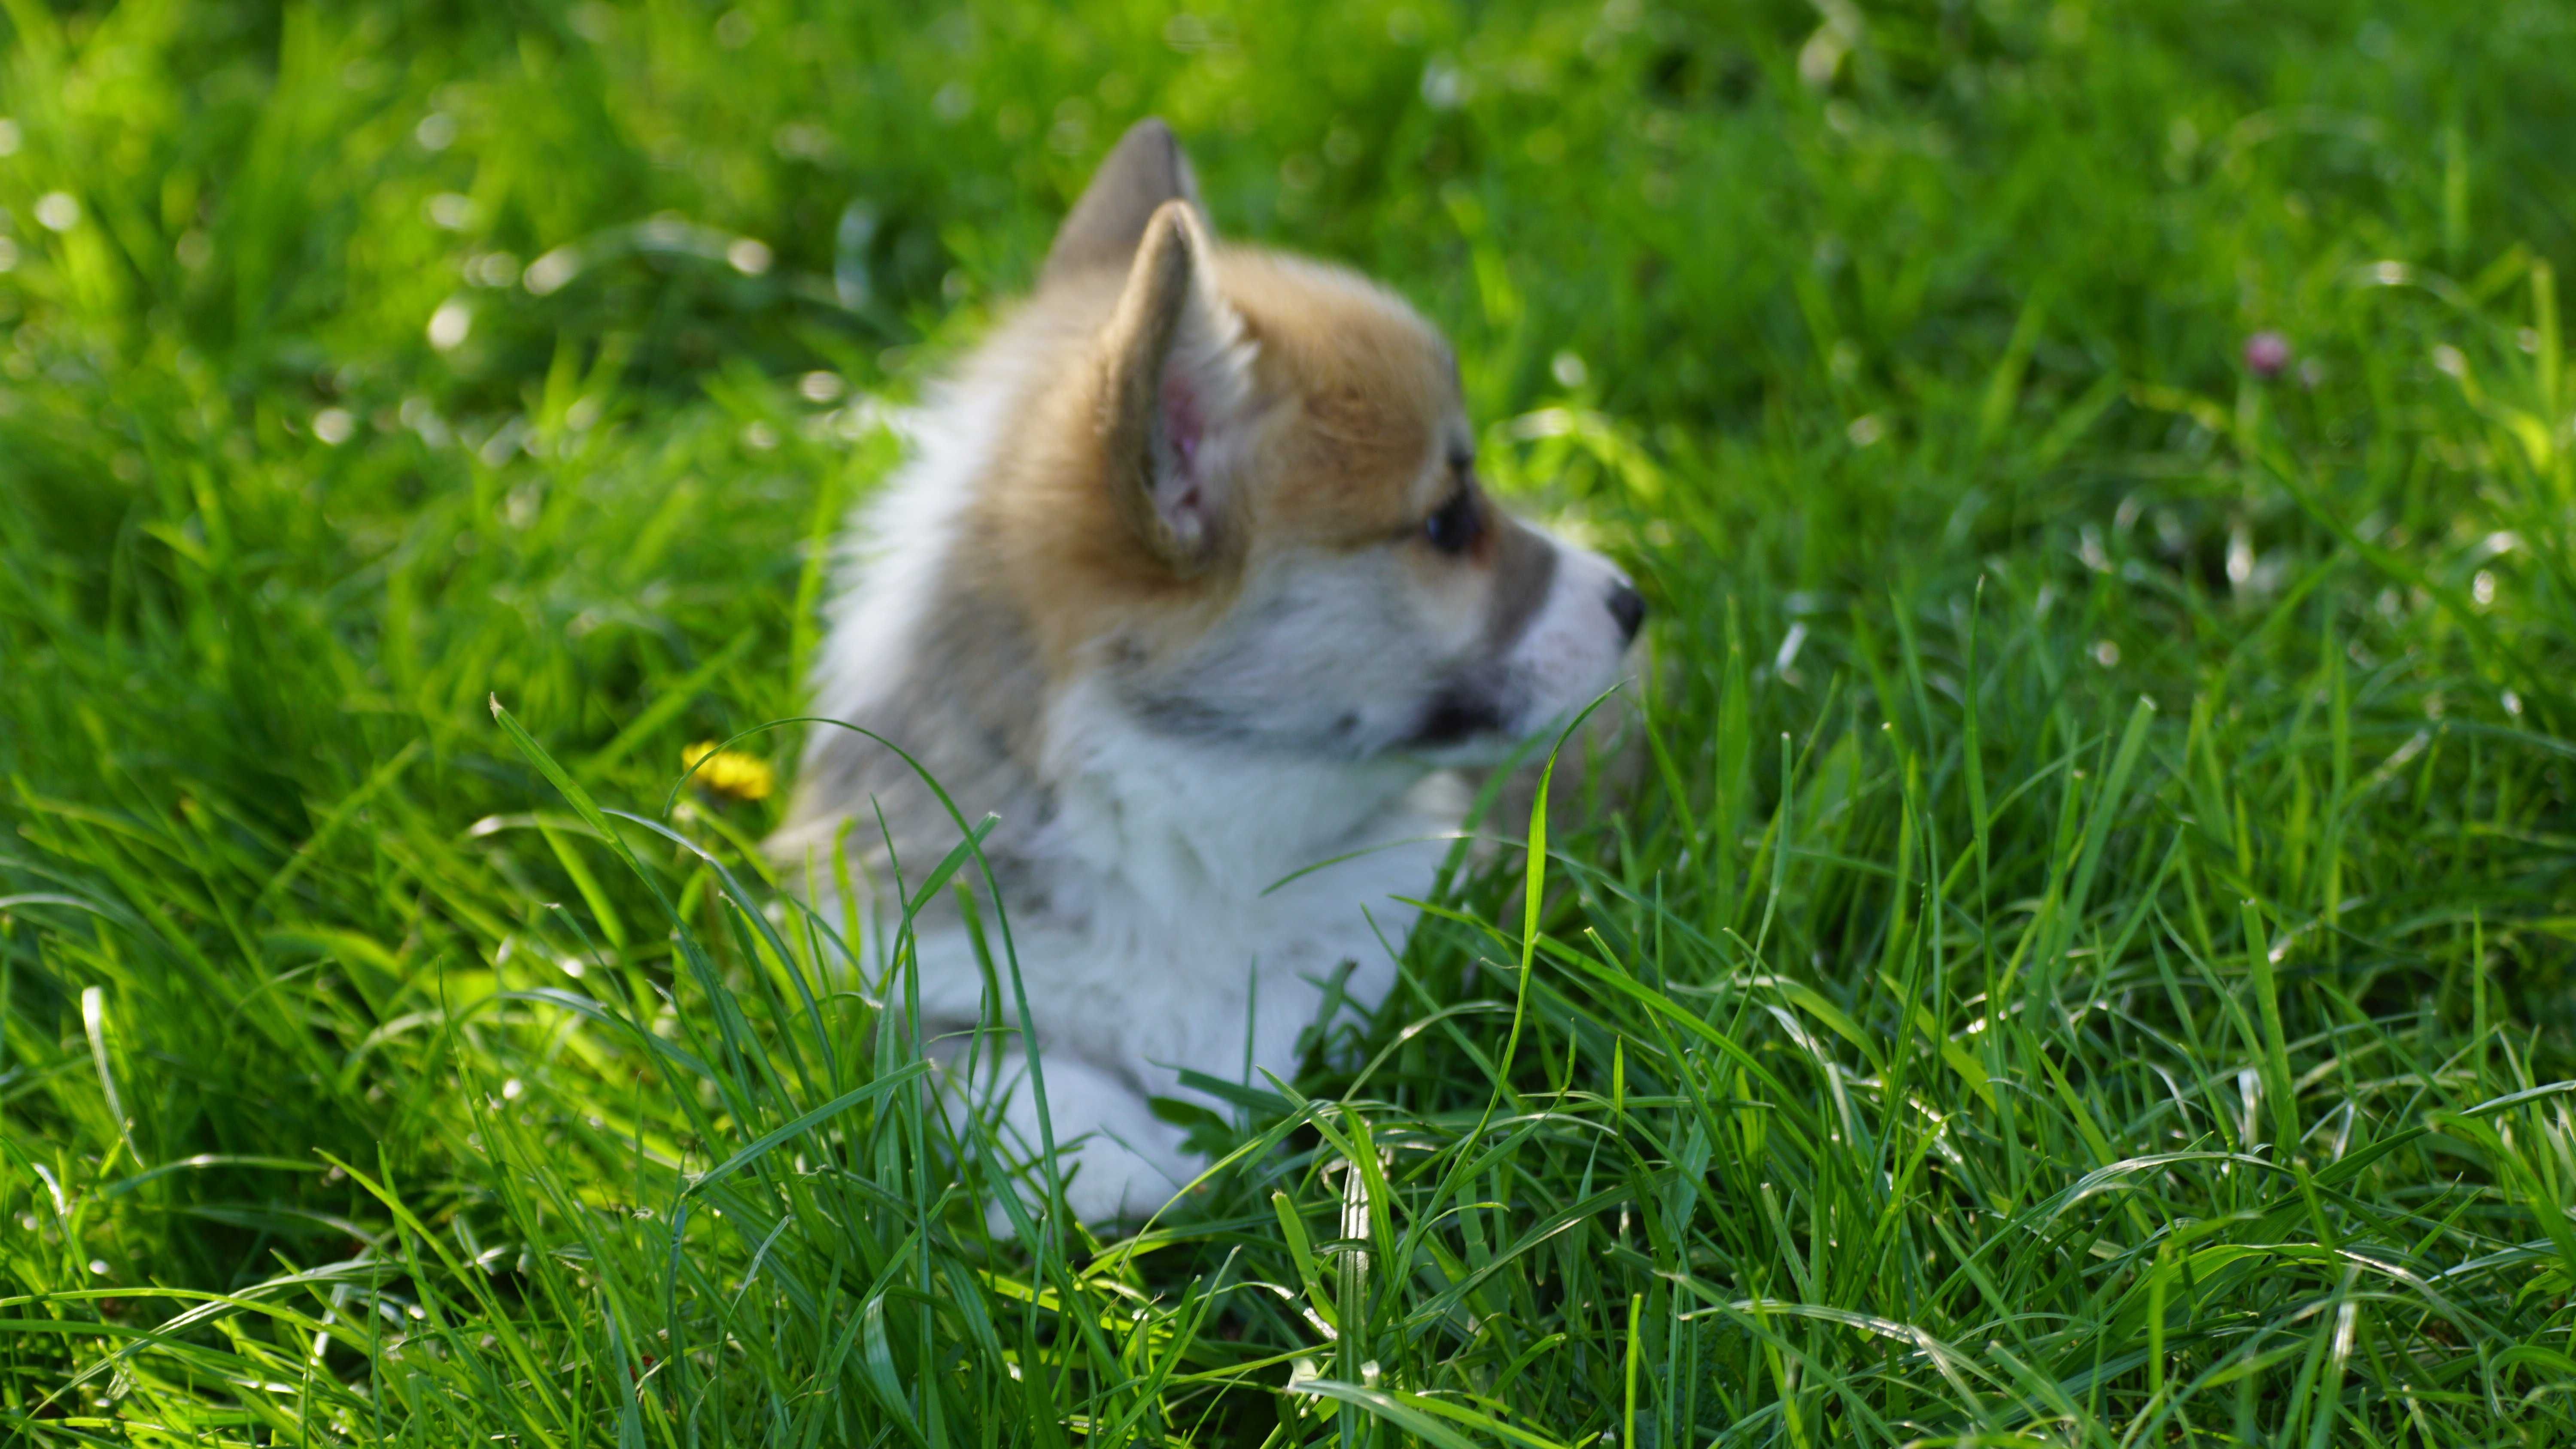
{"x": 1190, "y": 582}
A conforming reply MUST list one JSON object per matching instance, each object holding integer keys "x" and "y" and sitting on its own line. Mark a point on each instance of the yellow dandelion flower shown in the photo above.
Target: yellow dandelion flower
{"x": 729, "y": 773}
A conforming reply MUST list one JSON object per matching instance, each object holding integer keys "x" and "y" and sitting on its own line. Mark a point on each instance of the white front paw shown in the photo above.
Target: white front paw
{"x": 1118, "y": 1160}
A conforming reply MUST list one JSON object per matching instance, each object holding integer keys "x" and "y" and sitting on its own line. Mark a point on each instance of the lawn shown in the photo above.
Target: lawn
{"x": 2090, "y": 962}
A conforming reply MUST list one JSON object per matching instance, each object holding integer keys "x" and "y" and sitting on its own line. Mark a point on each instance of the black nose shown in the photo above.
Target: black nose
{"x": 1629, "y": 608}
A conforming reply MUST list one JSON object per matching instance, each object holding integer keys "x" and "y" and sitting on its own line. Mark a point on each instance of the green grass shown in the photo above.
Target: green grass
{"x": 2091, "y": 967}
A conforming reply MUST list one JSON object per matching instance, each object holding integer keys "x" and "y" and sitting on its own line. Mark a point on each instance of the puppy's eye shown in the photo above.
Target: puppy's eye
{"x": 1454, "y": 524}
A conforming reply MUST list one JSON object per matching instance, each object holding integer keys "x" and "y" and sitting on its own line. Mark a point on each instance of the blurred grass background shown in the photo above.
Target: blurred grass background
{"x": 2093, "y": 967}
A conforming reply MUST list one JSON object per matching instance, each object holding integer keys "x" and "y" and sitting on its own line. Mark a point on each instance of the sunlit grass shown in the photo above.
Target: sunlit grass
{"x": 2088, "y": 964}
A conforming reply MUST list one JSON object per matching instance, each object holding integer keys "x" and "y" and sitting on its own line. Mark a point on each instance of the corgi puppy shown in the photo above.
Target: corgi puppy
{"x": 1191, "y": 582}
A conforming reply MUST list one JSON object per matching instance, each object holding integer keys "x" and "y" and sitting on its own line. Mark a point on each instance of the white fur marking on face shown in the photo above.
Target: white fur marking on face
{"x": 1327, "y": 656}
{"x": 1572, "y": 649}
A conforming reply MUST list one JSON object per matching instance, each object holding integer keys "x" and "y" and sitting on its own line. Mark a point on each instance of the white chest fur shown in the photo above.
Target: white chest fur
{"x": 1183, "y": 908}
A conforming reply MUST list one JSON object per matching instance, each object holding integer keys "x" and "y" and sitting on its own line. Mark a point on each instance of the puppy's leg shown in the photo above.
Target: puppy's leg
{"x": 1119, "y": 1160}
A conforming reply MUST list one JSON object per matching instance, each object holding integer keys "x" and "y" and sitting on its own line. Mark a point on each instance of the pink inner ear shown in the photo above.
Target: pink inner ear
{"x": 1182, "y": 425}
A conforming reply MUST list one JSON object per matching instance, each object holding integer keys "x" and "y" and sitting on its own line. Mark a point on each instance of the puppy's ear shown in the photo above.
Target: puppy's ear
{"x": 1144, "y": 170}
{"x": 1175, "y": 394}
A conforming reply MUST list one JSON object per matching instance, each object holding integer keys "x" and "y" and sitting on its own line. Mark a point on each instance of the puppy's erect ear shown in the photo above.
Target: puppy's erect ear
{"x": 1175, "y": 394}
{"x": 1143, "y": 171}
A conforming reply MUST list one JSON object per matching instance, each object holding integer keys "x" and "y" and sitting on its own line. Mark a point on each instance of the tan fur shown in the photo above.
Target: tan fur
{"x": 1353, "y": 388}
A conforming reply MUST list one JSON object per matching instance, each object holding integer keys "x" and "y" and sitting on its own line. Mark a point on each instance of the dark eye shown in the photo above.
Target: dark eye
{"x": 1454, "y": 525}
